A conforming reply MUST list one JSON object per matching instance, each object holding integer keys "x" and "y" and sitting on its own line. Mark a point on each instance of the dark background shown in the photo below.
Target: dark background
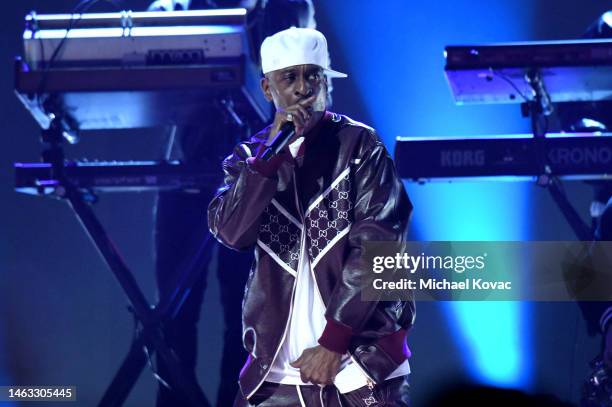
{"x": 64, "y": 318}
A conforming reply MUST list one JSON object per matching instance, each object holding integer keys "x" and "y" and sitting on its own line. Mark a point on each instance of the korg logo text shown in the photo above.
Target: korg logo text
{"x": 462, "y": 158}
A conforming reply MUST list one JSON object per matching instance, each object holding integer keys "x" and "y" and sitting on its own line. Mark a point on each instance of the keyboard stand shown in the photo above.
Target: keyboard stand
{"x": 539, "y": 110}
{"x": 149, "y": 338}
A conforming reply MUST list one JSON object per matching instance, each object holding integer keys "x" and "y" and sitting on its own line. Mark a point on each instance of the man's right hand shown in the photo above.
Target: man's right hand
{"x": 300, "y": 114}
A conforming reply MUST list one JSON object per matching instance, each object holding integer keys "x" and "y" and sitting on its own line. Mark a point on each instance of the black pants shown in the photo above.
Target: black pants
{"x": 180, "y": 227}
{"x": 393, "y": 392}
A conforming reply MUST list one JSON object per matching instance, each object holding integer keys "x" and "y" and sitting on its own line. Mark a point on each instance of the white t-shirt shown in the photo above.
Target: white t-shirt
{"x": 306, "y": 327}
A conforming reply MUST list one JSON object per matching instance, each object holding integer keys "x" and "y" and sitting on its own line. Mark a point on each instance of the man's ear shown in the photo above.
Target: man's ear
{"x": 265, "y": 88}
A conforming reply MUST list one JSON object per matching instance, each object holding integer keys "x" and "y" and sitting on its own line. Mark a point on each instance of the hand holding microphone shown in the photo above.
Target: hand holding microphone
{"x": 290, "y": 122}
{"x": 299, "y": 113}
{"x": 267, "y": 160}
{"x": 286, "y": 133}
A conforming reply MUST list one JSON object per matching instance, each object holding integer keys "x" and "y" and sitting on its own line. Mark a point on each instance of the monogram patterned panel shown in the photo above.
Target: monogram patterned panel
{"x": 281, "y": 236}
{"x": 330, "y": 217}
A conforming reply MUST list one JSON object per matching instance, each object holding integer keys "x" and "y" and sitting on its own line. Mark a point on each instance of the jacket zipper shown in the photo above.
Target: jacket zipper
{"x": 311, "y": 271}
{"x": 280, "y": 345}
{"x": 370, "y": 382}
{"x": 301, "y": 213}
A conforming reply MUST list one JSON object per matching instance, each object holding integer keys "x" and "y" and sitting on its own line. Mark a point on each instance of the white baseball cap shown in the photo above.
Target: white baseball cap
{"x": 296, "y": 46}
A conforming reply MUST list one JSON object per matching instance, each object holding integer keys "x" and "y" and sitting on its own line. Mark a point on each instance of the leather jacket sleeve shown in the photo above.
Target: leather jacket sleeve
{"x": 234, "y": 213}
{"x": 381, "y": 213}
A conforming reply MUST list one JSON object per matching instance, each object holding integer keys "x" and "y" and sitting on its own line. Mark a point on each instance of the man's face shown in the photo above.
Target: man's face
{"x": 288, "y": 86}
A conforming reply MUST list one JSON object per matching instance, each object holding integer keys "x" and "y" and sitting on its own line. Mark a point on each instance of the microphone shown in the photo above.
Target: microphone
{"x": 285, "y": 133}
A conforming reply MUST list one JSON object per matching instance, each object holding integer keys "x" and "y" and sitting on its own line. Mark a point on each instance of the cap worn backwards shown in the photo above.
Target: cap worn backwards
{"x": 296, "y": 46}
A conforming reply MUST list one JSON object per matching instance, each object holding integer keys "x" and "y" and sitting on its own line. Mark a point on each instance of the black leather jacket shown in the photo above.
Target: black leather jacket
{"x": 343, "y": 192}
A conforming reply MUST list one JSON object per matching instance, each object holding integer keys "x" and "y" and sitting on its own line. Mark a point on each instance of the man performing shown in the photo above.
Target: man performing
{"x": 180, "y": 221}
{"x": 308, "y": 212}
